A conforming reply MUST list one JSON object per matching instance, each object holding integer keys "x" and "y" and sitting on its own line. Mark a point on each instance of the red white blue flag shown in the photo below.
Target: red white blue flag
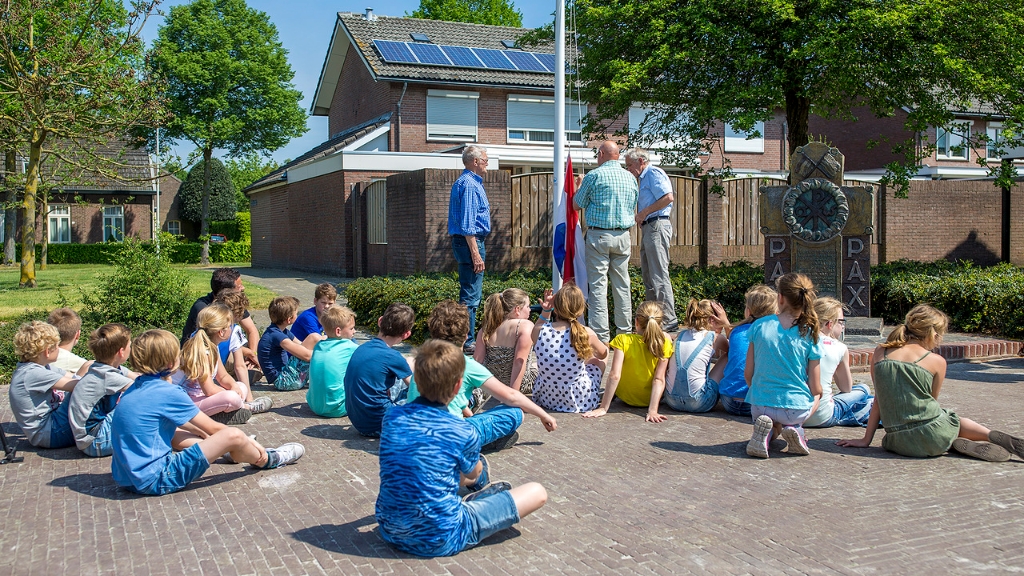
{"x": 568, "y": 241}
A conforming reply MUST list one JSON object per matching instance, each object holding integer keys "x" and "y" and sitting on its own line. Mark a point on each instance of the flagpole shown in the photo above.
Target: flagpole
{"x": 558, "y": 197}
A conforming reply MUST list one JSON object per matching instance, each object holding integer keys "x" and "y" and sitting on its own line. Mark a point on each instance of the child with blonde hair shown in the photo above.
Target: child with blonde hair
{"x": 37, "y": 389}
{"x": 161, "y": 440}
{"x": 783, "y": 368}
{"x": 203, "y": 375}
{"x": 503, "y": 344}
{"x": 908, "y": 378}
{"x": 761, "y": 301}
{"x": 570, "y": 356}
{"x": 691, "y": 388}
{"x": 639, "y": 363}
{"x": 852, "y": 405}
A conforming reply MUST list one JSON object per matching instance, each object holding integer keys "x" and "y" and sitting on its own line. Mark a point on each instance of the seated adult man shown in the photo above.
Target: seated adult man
{"x": 223, "y": 279}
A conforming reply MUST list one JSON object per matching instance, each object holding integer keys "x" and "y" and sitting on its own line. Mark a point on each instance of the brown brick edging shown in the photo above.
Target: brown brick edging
{"x": 861, "y": 359}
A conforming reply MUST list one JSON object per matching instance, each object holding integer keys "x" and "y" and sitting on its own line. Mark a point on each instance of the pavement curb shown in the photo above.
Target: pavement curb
{"x": 860, "y": 359}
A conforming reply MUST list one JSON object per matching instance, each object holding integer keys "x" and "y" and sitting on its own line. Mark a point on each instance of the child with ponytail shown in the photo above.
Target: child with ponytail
{"x": 503, "y": 344}
{"x": 761, "y": 301}
{"x": 783, "y": 368}
{"x": 639, "y": 363}
{"x": 570, "y": 357}
{"x": 908, "y": 378}
{"x": 691, "y": 389}
{"x": 204, "y": 377}
{"x": 852, "y": 405}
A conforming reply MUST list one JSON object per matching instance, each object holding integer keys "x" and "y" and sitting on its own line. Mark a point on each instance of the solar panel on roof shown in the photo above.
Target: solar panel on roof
{"x": 395, "y": 51}
{"x": 548, "y": 60}
{"x": 525, "y": 61}
{"x": 462, "y": 56}
{"x": 429, "y": 54}
{"x": 494, "y": 59}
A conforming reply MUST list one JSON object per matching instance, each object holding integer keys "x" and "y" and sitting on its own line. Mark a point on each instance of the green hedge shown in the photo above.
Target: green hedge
{"x": 368, "y": 297}
{"x": 977, "y": 299}
{"x": 180, "y": 253}
{"x": 237, "y": 230}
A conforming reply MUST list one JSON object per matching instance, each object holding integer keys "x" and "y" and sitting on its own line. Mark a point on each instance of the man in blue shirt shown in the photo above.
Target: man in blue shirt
{"x": 469, "y": 222}
{"x": 653, "y": 215}
{"x": 608, "y": 194}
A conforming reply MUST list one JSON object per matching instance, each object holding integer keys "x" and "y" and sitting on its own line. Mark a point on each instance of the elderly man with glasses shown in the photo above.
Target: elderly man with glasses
{"x": 469, "y": 222}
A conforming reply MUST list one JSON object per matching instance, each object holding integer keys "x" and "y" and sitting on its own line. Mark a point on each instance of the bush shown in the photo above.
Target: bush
{"x": 369, "y": 297}
{"x": 976, "y": 299}
{"x": 9, "y": 360}
{"x": 244, "y": 223}
{"x": 178, "y": 252}
{"x": 222, "y": 194}
{"x": 237, "y": 230}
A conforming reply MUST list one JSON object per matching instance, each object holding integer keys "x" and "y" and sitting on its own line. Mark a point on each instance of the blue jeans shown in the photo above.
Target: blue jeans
{"x": 851, "y": 408}
{"x": 490, "y": 514}
{"x": 498, "y": 422}
{"x": 471, "y": 284}
{"x": 61, "y": 435}
{"x": 701, "y": 401}
{"x": 180, "y": 468}
{"x": 735, "y": 406}
{"x": 101, "y": 444}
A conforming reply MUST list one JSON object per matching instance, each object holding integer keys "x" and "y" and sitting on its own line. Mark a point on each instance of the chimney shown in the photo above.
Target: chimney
{"x": 369, "y": 15}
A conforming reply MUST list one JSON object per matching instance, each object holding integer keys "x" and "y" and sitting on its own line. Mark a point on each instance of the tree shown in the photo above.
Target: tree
{"x": 227, "y": 83}
{"x": 246, "y": 170}
{"x": 220, "y": 204}
{"x": 494, "y": 12}
{"x": 70, "y": 70}
{"x": 696, "y": 63}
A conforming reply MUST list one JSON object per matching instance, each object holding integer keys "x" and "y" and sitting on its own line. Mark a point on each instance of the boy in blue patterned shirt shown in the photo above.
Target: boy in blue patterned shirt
{"x": 427, "y": 454}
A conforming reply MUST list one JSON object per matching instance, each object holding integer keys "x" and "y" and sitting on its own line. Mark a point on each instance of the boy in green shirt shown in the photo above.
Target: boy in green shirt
{"x": 327, "y": 367}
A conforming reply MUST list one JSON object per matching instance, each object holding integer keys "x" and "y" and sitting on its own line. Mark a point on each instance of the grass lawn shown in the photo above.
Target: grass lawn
{"x": 70, "y": 278}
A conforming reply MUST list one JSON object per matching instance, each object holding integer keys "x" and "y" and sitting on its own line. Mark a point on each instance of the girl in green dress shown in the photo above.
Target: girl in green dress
{"x": 907, "y": 378}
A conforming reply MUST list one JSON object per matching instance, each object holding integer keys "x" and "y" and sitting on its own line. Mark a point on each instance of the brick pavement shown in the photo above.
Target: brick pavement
{"x": 625, "y": 497}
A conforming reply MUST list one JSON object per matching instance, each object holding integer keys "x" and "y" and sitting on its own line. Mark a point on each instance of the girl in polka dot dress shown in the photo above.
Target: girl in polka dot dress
{"x": 570, "y": 357}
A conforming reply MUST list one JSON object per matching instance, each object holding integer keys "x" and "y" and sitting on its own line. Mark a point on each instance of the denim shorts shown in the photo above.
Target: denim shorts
{"x": 101, "y": 443}
{"x": 701, "y": 401}
{"x": 736, "y": 406}
{"x": 783, "y": 416}
{"x": 61, "y": 435}
{"x": 489, "y": 515}
{"x": 180, "y": 468}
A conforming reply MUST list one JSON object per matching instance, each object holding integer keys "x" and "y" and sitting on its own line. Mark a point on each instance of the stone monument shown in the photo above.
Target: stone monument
{"x": 820, "y": 228}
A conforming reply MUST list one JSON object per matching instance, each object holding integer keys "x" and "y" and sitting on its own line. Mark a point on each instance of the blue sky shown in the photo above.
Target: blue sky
{"x": 305, "y": 27}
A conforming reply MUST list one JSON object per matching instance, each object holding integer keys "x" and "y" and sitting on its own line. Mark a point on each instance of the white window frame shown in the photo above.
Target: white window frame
{"x": 530, "y": 119}
{"x": 736, "y": 141}
{"x": 114, "y": 230}
{"x": 994, "y": 131}
{"x": 176, "y": 224}
{"x": 448, "y": 115}
{"x": 58, "y": 213}
{"x": 637, "y": 115}
{"x": 953, "y": 139}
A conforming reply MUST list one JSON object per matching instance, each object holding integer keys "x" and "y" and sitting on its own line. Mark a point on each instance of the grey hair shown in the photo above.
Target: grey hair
{"x": 637, "y": 154}
{"x": 472, "y": 152}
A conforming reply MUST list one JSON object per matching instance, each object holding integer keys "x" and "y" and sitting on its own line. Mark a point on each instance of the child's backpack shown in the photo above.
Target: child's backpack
{"x": 294, "y": 376}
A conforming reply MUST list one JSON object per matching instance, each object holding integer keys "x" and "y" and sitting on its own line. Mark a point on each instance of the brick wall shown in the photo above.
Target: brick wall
{"x": 87, "y": 216}
{"x": 357, "y": 98}
{"x": 851, "y": 137}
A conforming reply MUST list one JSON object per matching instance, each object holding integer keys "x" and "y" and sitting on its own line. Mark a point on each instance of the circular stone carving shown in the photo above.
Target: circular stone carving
{"x": 815, "y": 210}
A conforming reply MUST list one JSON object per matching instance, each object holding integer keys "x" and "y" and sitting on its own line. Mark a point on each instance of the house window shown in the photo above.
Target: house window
{"x": 646, "y": 130}
{"x": 995, "y": 141}
{"x": 174, "y": 227}
{"x": 951, "y": 143}
{"x": 736, "y": 141}
{"x": 113, "y": 223}
{"x": 532, "y": 119}
{"x": 451, "y": 116}
{"x": 60, "y": 223}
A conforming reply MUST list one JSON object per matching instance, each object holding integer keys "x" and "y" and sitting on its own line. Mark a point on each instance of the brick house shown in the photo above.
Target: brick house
{"x": 97, "y": 208}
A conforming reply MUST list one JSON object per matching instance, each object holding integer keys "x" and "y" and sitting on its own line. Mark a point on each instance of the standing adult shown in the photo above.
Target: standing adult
{"x": 653, "y": 211}
{"x": 469, "y": 222}
{"x": 608, "y": 194}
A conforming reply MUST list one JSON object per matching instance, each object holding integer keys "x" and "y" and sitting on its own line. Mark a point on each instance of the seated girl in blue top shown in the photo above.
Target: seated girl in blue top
{"x": 783, "y": 368}
{"x": 161, "y": 441}
{"x": 426, "y": 454}
{"x": 761, "y": 301}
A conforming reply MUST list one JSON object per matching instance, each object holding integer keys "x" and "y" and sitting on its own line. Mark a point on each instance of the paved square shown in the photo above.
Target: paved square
{"x": 625, "y": 497}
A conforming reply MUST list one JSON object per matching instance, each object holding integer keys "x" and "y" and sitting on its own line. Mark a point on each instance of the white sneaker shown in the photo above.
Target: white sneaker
{"x": 288, "y": 453}
{"x": 260, "y": 405}
{"x": 758, "y": 444}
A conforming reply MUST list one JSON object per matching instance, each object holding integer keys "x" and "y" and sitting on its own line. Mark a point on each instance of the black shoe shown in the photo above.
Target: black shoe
{"x": 502, "y": 443}
{"x": 234, "y": 417}
{"x": 469, "y": 348}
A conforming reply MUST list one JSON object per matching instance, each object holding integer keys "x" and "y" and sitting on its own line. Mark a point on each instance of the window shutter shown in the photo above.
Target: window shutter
{"x": 451, "y": 115}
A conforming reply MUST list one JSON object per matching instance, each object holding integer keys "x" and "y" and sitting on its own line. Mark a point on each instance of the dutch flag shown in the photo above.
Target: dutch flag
{"x": 568, "y": 241}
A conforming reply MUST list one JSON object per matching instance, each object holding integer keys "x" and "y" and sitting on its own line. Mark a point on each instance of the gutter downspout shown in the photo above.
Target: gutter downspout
{"x": 398, "y": 120}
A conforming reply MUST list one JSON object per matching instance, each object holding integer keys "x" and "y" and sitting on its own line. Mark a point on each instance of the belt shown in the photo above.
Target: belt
{"x": 607, "y": 229}
{"x": 654, "y": 218}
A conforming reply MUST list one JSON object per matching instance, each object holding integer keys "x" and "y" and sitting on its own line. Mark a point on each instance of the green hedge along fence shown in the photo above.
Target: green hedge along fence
{"x": 180, "y": 252}
{"x": 237, "y": 230}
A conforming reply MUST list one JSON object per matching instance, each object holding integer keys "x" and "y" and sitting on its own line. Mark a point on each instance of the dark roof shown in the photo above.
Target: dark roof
{"x": 364, "y": 32}
{"x": 326, "y": 148}
{"x": 126, "y": 169}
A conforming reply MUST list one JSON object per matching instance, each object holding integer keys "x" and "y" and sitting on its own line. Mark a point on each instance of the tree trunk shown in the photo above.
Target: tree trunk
{"x": 204, "y": 230}
{"x": 45, "y": 197}
{"x": 28, "y": 227}
{"x": 10, "y": 212}
{"x": 798, "y": 109}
